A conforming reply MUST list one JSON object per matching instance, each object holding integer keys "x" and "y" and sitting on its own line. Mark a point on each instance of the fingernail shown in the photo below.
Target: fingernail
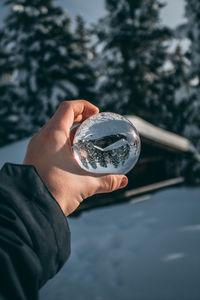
{"x": 123, "y": 182}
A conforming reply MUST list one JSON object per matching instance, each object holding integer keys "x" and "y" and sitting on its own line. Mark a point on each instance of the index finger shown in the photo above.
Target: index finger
{"x": 72, "y": 112}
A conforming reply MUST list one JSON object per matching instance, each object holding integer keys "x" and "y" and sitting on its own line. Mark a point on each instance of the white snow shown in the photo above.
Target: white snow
{"x": 41, "y": 28}
{"x": 62, "y": 50}
{"x": 32, "y": 11}
{"x": 44, "y": 10}
{"x": 173, "y": 256}
{"x": 18, "y": 8}
{"x": 50, "y": 43}
{"x": 134, "y": 251}
{"x": 194, "y": 81}
{"x": 33, "y": 84}
{"x": 13, "y": 118}
{"x": 132, "y": 63}
{"x": 35, "y": 46}
{"x": 71, "y": 87}
{"x": 13, "y": 153}
{"x": 47, "y": 56}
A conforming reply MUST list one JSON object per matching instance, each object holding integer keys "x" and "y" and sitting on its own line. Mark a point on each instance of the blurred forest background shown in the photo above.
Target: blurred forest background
{"x": 127, "y": 62}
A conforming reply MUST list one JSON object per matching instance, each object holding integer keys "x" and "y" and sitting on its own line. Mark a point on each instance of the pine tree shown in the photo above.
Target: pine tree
{"x": 191, "y": 30}
{"x": 10, "y": 121}
{"x": 48, "y": 60}
{"x": 134, "y": 52}
{"x": 175, "y": 91}
{"x": 192, "y": 10}
{"x": 84, "y": 76}
{"x": 40, "y": 41}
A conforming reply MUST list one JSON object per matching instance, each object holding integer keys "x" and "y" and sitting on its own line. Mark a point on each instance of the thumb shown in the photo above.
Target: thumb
{"x": 110, "y": 183}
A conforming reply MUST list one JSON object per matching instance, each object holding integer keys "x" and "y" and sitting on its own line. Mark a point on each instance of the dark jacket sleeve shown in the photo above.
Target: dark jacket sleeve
{"x": 34, "y": 234}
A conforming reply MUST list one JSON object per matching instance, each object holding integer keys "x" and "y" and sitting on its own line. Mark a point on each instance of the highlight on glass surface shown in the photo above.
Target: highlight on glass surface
{"x": 106, "y": 143}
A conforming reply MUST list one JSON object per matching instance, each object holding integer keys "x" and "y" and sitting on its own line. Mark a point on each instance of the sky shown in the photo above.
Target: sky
{"x": 172, "y": 14}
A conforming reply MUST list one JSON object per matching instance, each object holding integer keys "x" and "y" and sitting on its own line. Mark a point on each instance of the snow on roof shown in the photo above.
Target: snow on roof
{"x": 160, "y": 136}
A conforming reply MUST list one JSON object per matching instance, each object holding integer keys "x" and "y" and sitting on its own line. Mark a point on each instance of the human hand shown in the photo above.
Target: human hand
{"x": 50, "y": 151}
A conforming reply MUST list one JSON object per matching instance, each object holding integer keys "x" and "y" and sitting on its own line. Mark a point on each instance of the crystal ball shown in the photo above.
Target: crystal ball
{"x": 106, "y": 143}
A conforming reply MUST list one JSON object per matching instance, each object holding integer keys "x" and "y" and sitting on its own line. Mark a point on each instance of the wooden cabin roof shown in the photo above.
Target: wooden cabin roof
{"x": 163, "y": 138}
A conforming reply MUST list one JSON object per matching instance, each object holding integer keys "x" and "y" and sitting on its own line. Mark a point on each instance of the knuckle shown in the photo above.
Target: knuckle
{"x": 48, "y": 139}
{"x": 81, "y": 101}
{"x": 84, "y": 101}
{"x": 111, "y": 183}
{"x": 64, "y": 104}
{"x": 46, "y": 135}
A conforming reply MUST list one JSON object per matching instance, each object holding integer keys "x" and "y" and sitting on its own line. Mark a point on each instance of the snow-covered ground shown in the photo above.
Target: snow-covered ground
{"x": 144, "y": 251}
{"x": 13, "y": 153}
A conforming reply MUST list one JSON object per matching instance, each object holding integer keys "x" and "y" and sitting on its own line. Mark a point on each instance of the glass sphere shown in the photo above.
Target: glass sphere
{"x": 106, "y": 143}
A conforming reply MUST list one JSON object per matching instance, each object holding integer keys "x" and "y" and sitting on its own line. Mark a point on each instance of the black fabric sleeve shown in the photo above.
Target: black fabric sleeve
{"x": 34, "y": 234}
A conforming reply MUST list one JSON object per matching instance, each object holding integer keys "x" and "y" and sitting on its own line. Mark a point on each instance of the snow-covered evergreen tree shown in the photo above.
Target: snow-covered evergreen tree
{"x": 48, "y": 60}
{"x": 175, "y": 92}
{"x": 134, "y": 52}
{"x": 83, "y": 76}
{"x": 10, "y": 121}
{"x": 190, "y": 94}
{"x": 40, "y": 41}
{"x": 192, "y": 10}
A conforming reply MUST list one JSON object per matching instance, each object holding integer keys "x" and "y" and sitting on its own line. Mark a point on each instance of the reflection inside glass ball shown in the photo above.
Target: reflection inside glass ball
{"x": 106, "y": 143}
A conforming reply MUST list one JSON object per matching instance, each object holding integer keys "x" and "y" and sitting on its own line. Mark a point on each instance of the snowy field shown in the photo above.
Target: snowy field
{"x": 144, "y": 251}
{"x": 13, "y": 153}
